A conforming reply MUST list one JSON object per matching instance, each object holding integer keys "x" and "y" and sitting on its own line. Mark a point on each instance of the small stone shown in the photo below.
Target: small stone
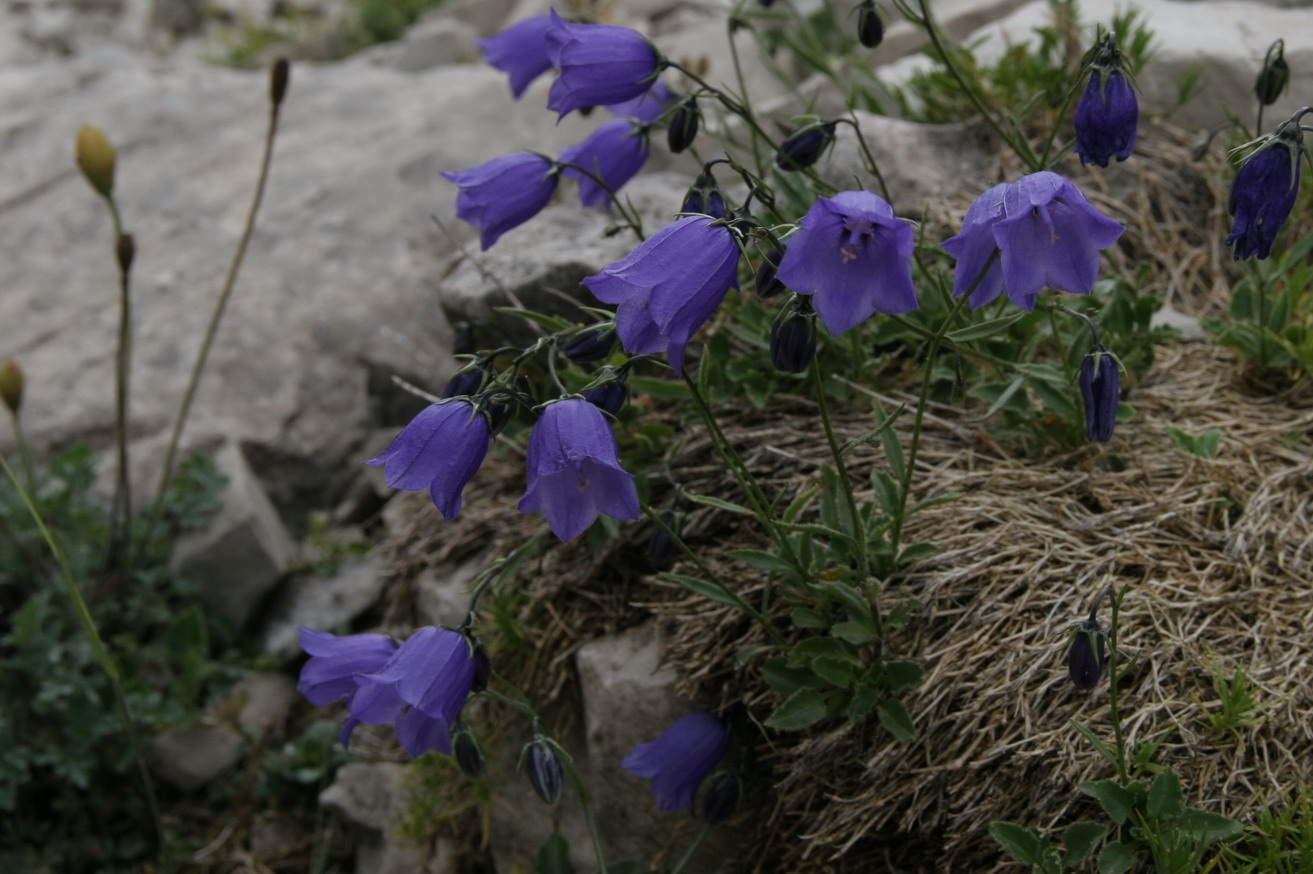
{"x": 189, "y": 758}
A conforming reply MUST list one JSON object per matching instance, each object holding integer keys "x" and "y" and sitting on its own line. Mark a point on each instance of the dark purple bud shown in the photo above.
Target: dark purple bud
{"x": 1086, "y": 655}
{"x": 482, "y": 665}
{"x": 498, "y": 416}
{"x": 609, "y": 397}
{"x": 705, "y": 197}
{"x": 589, "y": 346}
{"x": 721, "y": 797}
{"x": 804, "y": 146}
{"x": 466, "y": 382}
{"x": 1099, "y": 388}
{"x": 870, "y": 29}
{"x": 465, "y": 747}
{"x": 766, "y": 284}
{"x": 546, "y": 774}
{"x": 661, "y": 549}
{"x": 683, "y": 126}
{"x": 793, "y": 336}
{"x": 1264, "y": 190}
{"x": 1108, "y": 113}
{"x": 465, "y": 340}
{"x": 1274, "y": 76}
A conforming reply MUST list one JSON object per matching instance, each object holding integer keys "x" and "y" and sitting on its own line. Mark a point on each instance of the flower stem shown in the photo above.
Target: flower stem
{"x": 859, "y": 529}
{"x": 743, "y": 85}
{"x": 98, "y": 650}
{"x": 234, "y": 267}
{"x": 633, "y": 220}
{"x": 692, "y": 848}
{"x": 1120, "y": 738}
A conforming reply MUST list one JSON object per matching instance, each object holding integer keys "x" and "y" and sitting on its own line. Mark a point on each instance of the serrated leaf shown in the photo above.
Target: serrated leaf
{"x": 1116, "y": 801}
{"x": 894, "y": 717}
{"x": 1026, "y": 845}
{"x": 1116, "y": 858}
{"x": 1079, "y": 839}
{"x": 762, "y": 561}
{"x": 803, "y": 708}
{"x": 1166, "y": 801}
{"x": 1207, "y": 827}
{"x": 720, "y": 504}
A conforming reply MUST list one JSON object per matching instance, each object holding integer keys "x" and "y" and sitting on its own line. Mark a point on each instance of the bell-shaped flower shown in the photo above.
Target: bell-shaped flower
{"x": 614, "y": 152}
{"x": 679, "y": 758}
{"x": 520, "y": 51}
{"x": 329, "y": 675}
{"x": 503, "y": 193}
{"x": 1108, "y": 113}
{"x": 1046, "y": 234}
{"x": 854, "y": 257}
{"x": 1264, "y": 190}
{"x": 421, "y": 689}
{"x": 574, "y": 470}
{"x": 1100, "y": 391}
{"x": 440, "y": 450}
{"x": 646, "y": 107}
{"x": 669, "y": 285}
{"x": 600, "y": 64}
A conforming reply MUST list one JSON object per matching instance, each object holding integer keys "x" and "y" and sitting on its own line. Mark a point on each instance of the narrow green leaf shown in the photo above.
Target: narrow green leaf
{"x": 659, "y": 388}
{"x": 984, "y": 329}
{"x": 1079, "y": 838}
{"x": 551, "y": 323}
{"x": 788, "y": 679}
{"x": 803, "y": 708}
{"x": 795, "y": 506}
{"x": 762, "y": 561}
{"x": 714, "y": 591}
{"x": 915, "y": 552}
{"x": 805, "y": 617}
{"x": 1002, "y": 399}
{"x": 1103, "y": 748}
{"x": 894, "y": 717}
{"x": 720, "y": 504}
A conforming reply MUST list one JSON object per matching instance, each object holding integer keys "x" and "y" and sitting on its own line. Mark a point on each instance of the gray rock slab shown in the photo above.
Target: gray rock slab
{"x": 265, "y": 700}
{"x": 189, "y": 758}
{"x": 243, "y": 551}
{"x": 321, "y": 603}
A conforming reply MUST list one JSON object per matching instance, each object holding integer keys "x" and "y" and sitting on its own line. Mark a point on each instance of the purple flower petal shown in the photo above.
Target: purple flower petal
{"x": 680, "y": 758}
{"x": 520, "y": 51}
{"x": 600, "y": 64}
{"x": 615, "y": 151}
{"x": 503, "y": 193}
{"x": 329, "y": 675}
{"x": 441, "y": 450}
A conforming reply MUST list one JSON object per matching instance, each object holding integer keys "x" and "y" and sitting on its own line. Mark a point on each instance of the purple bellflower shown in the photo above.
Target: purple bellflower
{"x": 614, "y": 152}
{"x": 1108, "y": 113}
{"x": 421, "y": 690}
{"x": 803, "y": 147}
{"x": 669, "y": 285}
{"x": 1264, "y": 190}
{"x": 600, "y": 64}
{"x": 646, "y": 107}
{"x": 854, "y": 257}
{"x": 679, "y": 759}
{"x": 1046, "y": 234}
{"x": 329, "y": 675}
{"x": 503, "y": 193}
{"x": 1100, "y": 390}
{"x": 574, "y": 470}
{"x": 520, "y": 51}
{"x": 440, "y": 450}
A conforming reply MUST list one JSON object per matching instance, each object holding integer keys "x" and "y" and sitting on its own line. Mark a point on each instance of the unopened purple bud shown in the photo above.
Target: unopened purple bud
{"x": 1264, "y": 190}
{"x": 705, "y": 198}
{"x": 804, "y": 146}
{"x": 1099, "y": 388}
{"x": 546, "y": 774}
{"x": 870, "y": 29}
{"x": 466, "y": 382}
{"x": 1086, "y": 656}
{"x": 465, "y": 748}
{"x": 482, "y": 665}
{"x": 793, "y": 336}
{"x": 609, "y": 397}
{"x": 589, "y": 346}
{"x": 721, "y": 797}
{"x": 683, "y": 126}
{"x": 765, "y": 282}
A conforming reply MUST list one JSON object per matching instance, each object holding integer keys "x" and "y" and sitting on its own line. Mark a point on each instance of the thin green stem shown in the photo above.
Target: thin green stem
{"x": 743, "y": 85}
{"x": 230, "y": 282}
{"x": 98, "y": 650}
{"x": 692, "y": 848}
{"x": 24, "y": 450}
{"x": 859, "y": 529}
{"x": 120, "y": 544}
{"x": 692, "y": 556}
{"x": 632, "y": 219}
{"x": 1020, "y": 146}
{"x": 1120, "y": 738}
{"x": 872, "y": 167}
{"x": 1057, "y": 122}
{"x": 1062, "y": 352}
{"x": 593, "y": 830}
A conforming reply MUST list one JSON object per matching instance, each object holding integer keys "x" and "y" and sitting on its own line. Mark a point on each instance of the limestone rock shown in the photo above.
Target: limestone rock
{"x": 244, "y": 550}
{"x": 321, "y": 603}
{"x": 264, "y": 699}
{"x": 189, "y": 758}
{"x": 372, "y": 797}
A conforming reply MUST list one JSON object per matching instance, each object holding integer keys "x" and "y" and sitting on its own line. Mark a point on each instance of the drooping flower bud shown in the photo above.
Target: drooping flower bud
{"x": 793, "y": 336}
{"x": 1108, "y": 114}
{"x": 1100, "y": 390}
{"x": 589, "y": 346}
{"x": 465, "y": 340}
{"x": 279, "y": 74}
{"x": 721, "y": 796}
{"x": 546, "y": 774}
{"x": 466, "y": 382}
{"x": 683, "y": 126}
{"x": 610, "y": 396}
{"x": 804, "y": 146}
{"x": 465, "y": 748}
{"x": 1265, "y": 188}
{"x": 765, "y": 282}
{"x": 1086, "y": 655}
{"x": 870, "y": 29}
{"x": 705, "y": 197}
{"x": 482, "y": 665}
{"x": 661, "y": 549}
{"x": 95, "y": 158}
{"x": 11, "y": 385}
{"x": 1274, "y": 76}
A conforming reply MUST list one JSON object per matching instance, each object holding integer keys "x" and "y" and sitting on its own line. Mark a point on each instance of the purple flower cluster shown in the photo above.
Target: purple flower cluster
{"x": 1108, "y": 113}
{"x": 418, "y": 687}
